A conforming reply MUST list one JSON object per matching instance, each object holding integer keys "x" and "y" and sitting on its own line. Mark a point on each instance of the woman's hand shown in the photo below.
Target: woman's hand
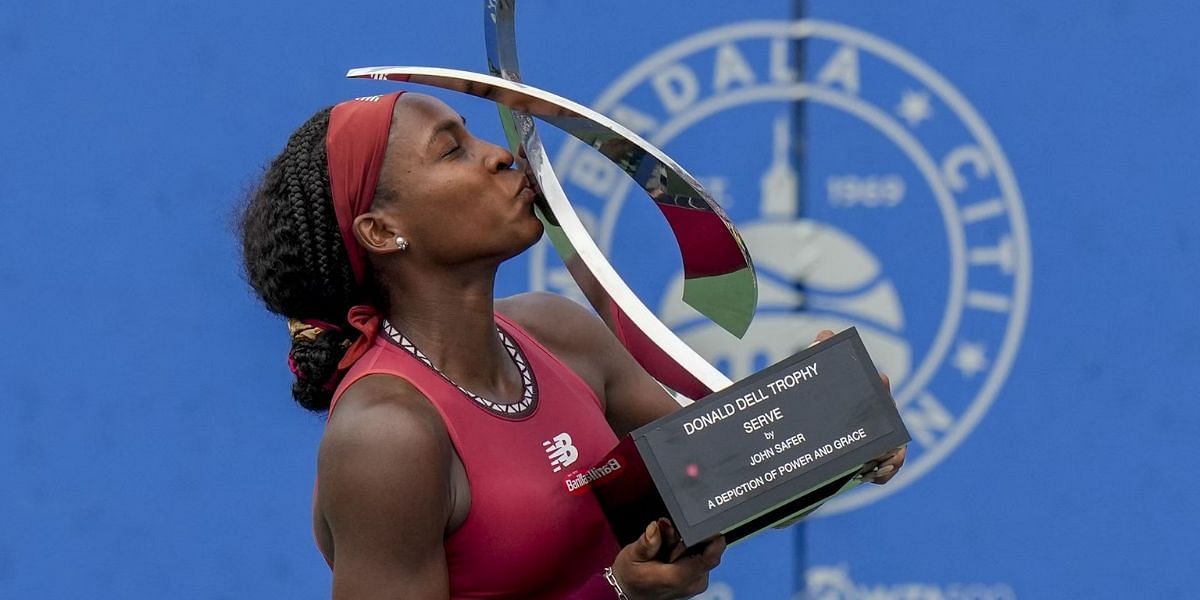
{"x": 655, "y": 567}
{"x": 882, "y": 469}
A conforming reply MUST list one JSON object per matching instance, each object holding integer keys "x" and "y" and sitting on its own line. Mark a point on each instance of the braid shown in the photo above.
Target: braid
{"x": 295, "y": 260}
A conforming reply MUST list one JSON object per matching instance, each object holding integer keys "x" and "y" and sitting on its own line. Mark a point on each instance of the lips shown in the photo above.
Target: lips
{"x": 528, "y": 192}
{"x": 531, "y": 193}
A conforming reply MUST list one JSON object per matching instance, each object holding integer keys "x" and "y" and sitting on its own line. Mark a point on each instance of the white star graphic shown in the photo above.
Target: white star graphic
{"x": 914, "y": 107}
{"x": 969, "y": 359}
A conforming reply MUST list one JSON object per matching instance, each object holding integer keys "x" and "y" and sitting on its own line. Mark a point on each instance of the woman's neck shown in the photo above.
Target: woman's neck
{"x": 451, "y": 320}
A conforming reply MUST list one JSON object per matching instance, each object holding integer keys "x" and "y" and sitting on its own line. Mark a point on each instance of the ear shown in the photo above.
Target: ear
{"x": 377, "y": 231}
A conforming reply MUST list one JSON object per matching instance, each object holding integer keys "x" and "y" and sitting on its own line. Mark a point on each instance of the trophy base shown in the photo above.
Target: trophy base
{"x": 768, "y": 450}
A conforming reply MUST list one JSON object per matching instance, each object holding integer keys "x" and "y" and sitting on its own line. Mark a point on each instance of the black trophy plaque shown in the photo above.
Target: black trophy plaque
{"x": 770, "y": 448}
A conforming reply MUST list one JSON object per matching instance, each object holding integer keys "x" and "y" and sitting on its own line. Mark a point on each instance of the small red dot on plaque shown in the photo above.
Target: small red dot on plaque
{"x": 692, "y": 470}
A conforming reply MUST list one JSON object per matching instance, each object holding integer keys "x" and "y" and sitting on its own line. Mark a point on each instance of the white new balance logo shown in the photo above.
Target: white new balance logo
{"x": 561, "y": 451}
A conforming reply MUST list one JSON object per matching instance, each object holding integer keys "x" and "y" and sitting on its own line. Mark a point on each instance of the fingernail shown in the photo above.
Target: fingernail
{"x": 652, "y": 531}
{"x": 884, "y": 470}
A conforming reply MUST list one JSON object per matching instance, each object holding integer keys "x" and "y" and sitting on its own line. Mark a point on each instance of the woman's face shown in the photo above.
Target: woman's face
{"x": 456, "y": 197}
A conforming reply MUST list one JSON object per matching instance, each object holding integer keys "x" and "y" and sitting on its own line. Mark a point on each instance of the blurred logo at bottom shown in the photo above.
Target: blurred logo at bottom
{"x": 835, "y": 583}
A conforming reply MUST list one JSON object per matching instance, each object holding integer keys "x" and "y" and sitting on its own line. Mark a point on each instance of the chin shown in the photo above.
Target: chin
{"x": 528, "y": 237}
{"x": 536, "y": 229}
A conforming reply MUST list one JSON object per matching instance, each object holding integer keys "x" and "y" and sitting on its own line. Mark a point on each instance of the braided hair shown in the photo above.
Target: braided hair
{"x": 295, "y": 260}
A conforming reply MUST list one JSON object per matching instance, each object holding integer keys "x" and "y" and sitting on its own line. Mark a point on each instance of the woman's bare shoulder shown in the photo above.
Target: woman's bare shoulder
{"x": 384, "y": 494}
{"x": 383, "y": 429}
{"x": 556, "y": 321}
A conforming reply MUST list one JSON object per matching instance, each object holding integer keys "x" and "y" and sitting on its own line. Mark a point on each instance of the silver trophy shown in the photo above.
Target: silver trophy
{"x": 719, "y": 278}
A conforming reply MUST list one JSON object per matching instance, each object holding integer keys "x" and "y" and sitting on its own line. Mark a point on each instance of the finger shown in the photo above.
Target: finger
{"x": 873, "y": 465}
{"x": 698, "y": 586}
{"x": 889, "y": 456}
{"x": 671, "y": 540}
{"x": 895, "y": 458}
{"x": 823, "y": 335}
{"x": 677, "y": 551}
{"x": 872, "y": 476}
{"x": 667, "y": 529}
{"x": 704, "y": 557}
{"x": 884, "y": 475}
{"x": 713, "y": 552}
{"x": 648, "y": 544}
{"x": 887, "y": 384}
{"x": 887, "y": 469}
{"x": 881, "y": 471}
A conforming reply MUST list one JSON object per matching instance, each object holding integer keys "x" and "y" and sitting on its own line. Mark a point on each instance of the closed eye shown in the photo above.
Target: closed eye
{"x": 447, "y": 128}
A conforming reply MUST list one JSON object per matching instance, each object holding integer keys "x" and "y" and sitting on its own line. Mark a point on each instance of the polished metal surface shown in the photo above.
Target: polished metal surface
{"x": 719, "y": 277}
{"x": 667, "y": 358}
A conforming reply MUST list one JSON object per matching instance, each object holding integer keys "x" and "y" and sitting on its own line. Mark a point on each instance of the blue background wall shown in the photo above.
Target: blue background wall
{"x": 149, "y": 448}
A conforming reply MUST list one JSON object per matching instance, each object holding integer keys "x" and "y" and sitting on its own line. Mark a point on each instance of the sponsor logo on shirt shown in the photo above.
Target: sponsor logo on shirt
{"x": 561, "y": 451}
{"x": 578, "y": 481}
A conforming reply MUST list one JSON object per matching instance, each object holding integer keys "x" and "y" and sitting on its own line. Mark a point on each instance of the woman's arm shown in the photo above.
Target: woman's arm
{"x": 384, "y": 490}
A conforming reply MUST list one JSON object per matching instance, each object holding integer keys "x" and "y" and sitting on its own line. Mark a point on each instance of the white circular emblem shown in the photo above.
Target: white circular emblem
{"x": 902, "y": 219}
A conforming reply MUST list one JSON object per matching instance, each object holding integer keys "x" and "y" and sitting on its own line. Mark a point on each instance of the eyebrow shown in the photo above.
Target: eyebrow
{"x": 445, "y": 125}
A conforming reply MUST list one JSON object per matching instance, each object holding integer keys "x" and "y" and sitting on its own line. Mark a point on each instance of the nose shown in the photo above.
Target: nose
{"x": 499, "y": 158}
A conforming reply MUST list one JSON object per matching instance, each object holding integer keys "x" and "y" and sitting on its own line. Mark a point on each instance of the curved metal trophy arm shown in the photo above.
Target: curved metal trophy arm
{"x": 719, "y": 278}
{"x": 686, "y": 372}
{"x": 678, "y": 373}
{"x": 718, "y": 275}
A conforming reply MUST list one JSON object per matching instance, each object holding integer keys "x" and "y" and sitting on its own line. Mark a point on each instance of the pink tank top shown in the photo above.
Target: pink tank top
{"x": 534, "y": 529}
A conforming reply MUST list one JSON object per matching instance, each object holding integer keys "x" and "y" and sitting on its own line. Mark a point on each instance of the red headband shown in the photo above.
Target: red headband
{"x": 355, "y": 145}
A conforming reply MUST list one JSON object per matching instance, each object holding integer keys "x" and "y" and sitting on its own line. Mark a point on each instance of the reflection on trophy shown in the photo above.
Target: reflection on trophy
{"x": 811, "y": 276}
